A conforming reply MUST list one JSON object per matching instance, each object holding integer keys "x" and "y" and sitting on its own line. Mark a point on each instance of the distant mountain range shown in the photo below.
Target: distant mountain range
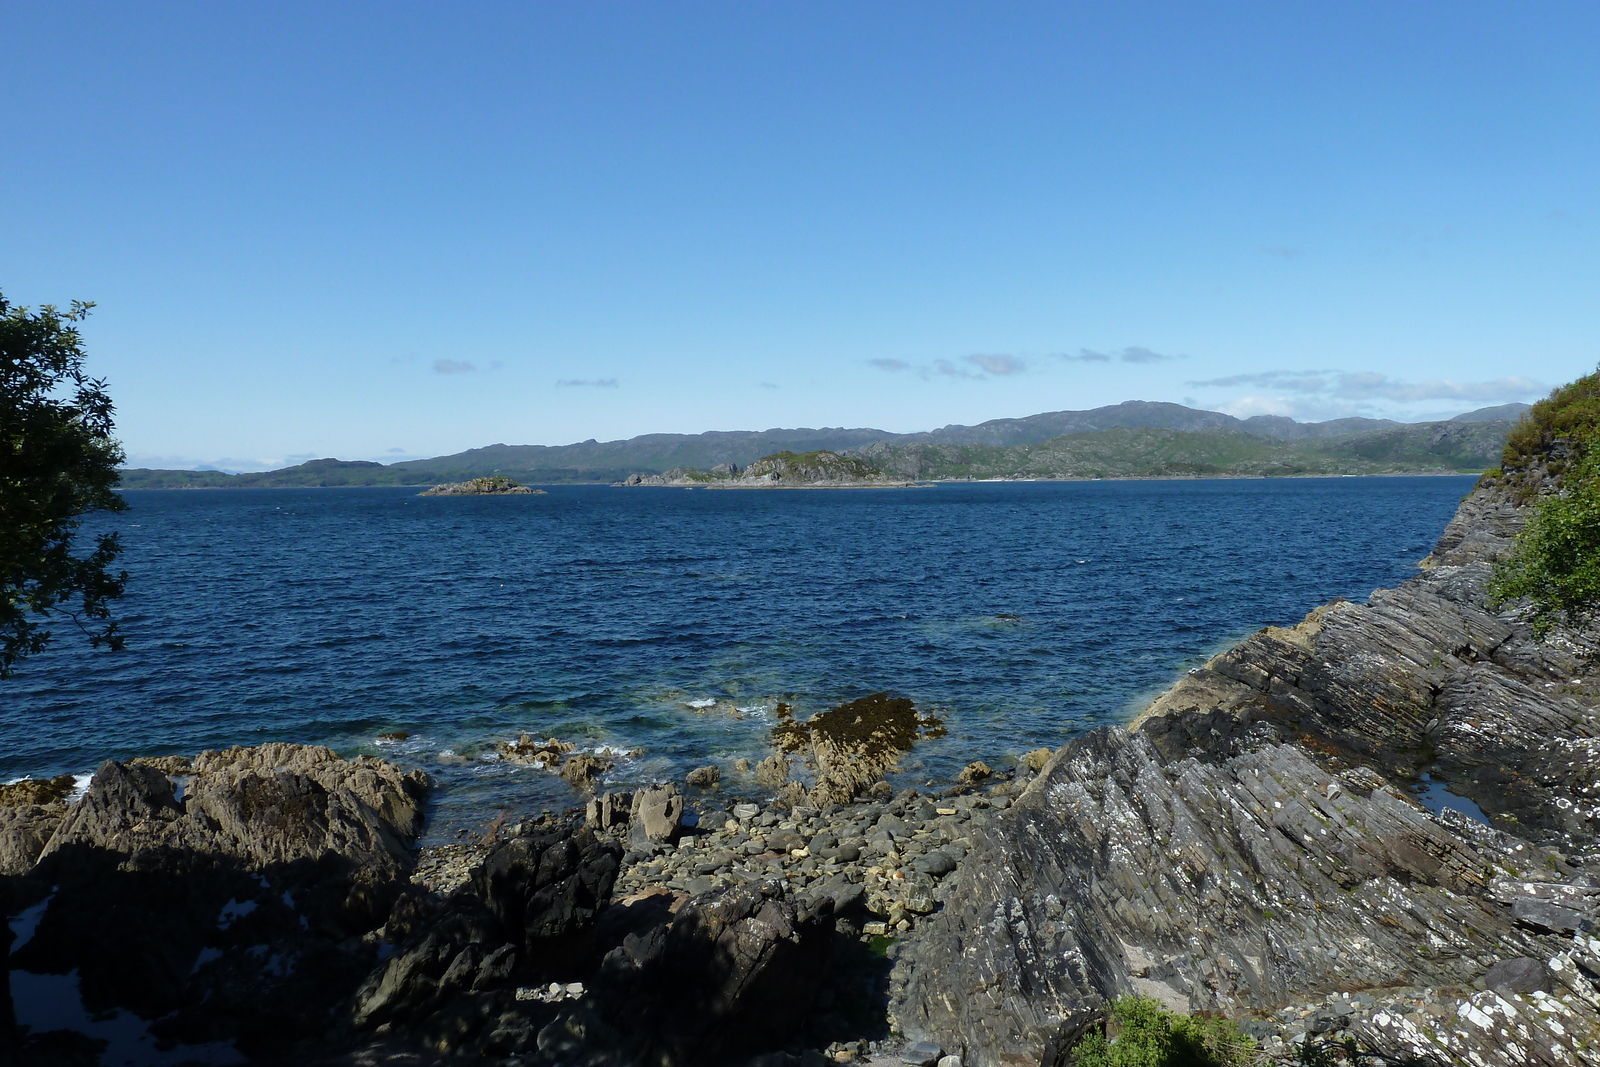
{"x": 1132, "y": 439}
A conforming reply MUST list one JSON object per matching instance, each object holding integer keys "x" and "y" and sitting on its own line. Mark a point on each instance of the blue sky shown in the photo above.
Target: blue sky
{"x": 385, "y": 230}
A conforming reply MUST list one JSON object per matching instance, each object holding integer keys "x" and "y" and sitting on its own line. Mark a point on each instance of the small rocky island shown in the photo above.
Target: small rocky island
{"x": 493, "y": 485}
{"x": 781, "y": 470}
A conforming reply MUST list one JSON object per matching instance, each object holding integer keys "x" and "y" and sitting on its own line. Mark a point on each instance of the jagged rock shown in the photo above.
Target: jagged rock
{"x": 973, "y": 773}
{"x": 657, "y": 815}
{"x": 529, "y": 749}
{"x": 1036, "y": 759}
{"x": 229, "y": 905}
{"x": 442, "y": 961}
{"x": 274, "y": 804}
{"x": 547, "y": 889}
{"x": 1255, "y": 842}
{"x": 24, "y": 831}
{"x": 704, "y": 777}
{"x": 608, "y": 810}
{"x": 773, "y": 772}
{"x": 581, "y": 770}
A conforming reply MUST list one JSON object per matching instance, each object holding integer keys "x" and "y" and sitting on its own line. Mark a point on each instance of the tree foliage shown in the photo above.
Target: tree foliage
{"x": 58, "y": 462}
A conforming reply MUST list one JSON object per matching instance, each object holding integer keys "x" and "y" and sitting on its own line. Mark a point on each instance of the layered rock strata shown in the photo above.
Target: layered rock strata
{"x": 1256, "y": 843}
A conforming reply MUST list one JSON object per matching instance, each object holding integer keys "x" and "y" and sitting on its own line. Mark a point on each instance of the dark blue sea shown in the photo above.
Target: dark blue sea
{"x": 670, "y": 622}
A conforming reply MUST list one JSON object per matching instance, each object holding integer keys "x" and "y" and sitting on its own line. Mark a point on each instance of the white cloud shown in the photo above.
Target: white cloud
{"x": 978, "y": 366}
{"x": 998, "y": 364}
{"x": 1330, "y": 394}
{"x": 1131, "y": 354}
{"x": 452, "y": 366}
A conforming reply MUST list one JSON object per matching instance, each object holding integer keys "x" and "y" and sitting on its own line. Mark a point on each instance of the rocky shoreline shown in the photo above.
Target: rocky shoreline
{"x": 1256, "y": 845}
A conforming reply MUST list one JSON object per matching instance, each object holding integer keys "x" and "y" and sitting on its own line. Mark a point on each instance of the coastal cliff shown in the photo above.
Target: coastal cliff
{"x": 1257, "y": 844}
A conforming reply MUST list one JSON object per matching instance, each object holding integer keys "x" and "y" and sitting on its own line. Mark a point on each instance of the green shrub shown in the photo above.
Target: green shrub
{"x": 1556, "y": 561}
{"x": 1150, "y": 1036}
{"x": 1571, "y": 412}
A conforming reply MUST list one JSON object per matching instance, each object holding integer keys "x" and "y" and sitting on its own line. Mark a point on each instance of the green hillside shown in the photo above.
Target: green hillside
{"x": 1123, "y": 441}
{"x": 1150, "y": 453}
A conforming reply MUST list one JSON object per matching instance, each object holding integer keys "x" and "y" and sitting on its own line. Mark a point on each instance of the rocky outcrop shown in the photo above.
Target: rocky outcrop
{"x": 257, "y": 807}
{"x": 493, "y": 485}
{"x": 224, "y": 898}
{"x": 781, "y": 470}
{"x": 534, "y": 959}
{"x": 1257, "y": 842}
{"x": 729, "y": 974}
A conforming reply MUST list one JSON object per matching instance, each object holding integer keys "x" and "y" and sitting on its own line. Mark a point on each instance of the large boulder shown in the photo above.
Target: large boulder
{"x": 657, "y": 816}
{"x": 547, "y": 889}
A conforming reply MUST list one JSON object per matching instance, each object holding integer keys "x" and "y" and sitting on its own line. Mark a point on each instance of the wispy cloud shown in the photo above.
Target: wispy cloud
{"x": 1283, "y": 251}
{"x": 1131, "y": 354}
{"x": 999, "y": 364}
{"x": 452, "y": 366}
{"x": 1369, "y": 385}
{"x": 591, "y": 383}
{"x": 979, "y": 365}
{"x": 770, "y": 385}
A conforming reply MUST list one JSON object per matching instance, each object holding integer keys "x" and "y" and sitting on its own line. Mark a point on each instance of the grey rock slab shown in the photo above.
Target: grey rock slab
{"x": 1520, "y": 975}
{"x": 1544, "y": 915}
{"x": 921, "y": 1054}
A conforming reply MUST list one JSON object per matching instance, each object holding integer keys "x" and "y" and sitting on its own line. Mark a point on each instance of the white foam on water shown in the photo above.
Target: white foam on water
{"x": 703, "y": 702}
{"x": 47, "y": 1002}
{"x": 80, "y": 786}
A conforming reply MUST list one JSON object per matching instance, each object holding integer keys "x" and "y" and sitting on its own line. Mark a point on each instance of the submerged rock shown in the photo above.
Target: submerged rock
{"x": 704, "y": 777}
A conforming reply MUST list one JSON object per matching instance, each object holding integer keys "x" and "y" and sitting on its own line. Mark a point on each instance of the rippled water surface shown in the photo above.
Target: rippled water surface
{"x": 671, "y": 621}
